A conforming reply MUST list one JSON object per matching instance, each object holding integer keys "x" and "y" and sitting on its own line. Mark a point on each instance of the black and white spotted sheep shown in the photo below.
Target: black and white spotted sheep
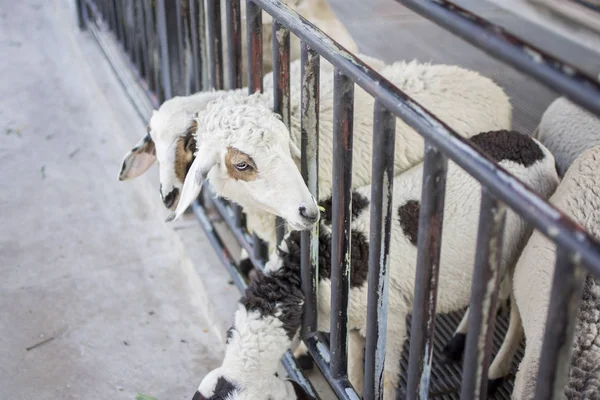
{"x": 268, "y": 317}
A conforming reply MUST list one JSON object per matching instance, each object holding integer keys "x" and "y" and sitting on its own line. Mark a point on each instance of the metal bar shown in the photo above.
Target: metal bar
{"x": 281, "y": 90}
{"x": 137, "y": 28}
{"x": 343, "y": 112}
{"x": 81, "y": 14}
{"x": 317, "y": 347}
{"x": 563, "y": 310}
{"x": 112, "y": 18}
{"x": 234, "y": 43}
{"x": 234, "y": 68}
{"x": 119, "y": 21}
{"x": 431, "y": 217}
{"x": 143, "y": 37}
{"x": 487, "y": 274}
{"x": 255, "y": 50}
{"x": 382, "y": 190}
{"x": 561, "y": 76}
{"x": 195, "y": 6}
{"x": 215, "y": 47}
{"x": 168, "y": 18}
{"x": 508, "y": 189}
{"x": 309, "y": 146}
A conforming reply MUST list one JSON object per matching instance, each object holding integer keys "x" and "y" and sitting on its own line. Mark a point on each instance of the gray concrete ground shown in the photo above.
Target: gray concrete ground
{"x": 99, "y": 297}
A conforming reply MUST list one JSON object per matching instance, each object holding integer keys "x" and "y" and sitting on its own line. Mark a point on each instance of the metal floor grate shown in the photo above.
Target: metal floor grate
{"x": 446, "y": 375}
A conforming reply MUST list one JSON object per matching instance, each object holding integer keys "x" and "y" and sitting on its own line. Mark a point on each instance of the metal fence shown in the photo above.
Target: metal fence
{"x": 175, "y": 47}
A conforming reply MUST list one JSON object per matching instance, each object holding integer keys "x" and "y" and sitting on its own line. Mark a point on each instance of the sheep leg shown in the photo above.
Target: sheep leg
{"x": 356, "y": 352}
{"x": 503, "y": 360}
{"x": 456, "y": 347}
{"x": 304, "y": 359}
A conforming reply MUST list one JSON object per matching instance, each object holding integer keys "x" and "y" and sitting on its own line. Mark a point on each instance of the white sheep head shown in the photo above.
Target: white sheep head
{"x": 246, "y": 153}
{"x": 255, "y": 344}
{"x": 171, "y": 141}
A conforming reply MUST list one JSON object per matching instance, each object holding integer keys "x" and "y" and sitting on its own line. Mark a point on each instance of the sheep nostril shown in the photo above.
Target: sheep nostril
{"x": 308, "y": 215}
{"x": 169, "y": 200}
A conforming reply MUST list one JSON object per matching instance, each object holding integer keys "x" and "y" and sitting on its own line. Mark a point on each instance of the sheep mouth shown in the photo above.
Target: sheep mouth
{"x": 301, "y": 226}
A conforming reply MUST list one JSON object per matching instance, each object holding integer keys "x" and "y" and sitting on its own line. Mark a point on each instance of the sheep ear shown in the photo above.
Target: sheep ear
{"x": 139, "y": 159}
{"x": 193, "y": 181}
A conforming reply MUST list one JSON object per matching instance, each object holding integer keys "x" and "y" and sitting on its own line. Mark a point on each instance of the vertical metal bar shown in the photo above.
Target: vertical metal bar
{"x": 343, "y": 113}
{"x": 215, "y": 47}
{"x": 254, "y": 37}
{"x": 112, "y": 18}
{"x": 119, "y": 20}
{"x": 196, "y": 61}
{"x": 234, "y": 43}
{"x": 168, "y": 21}
{"x": 81, "y": 13}
{"x": 487, "y": 275}
{"x": 137, "y": 29}
{"x": 565, "y": 297}
{"x": 281, "y": 89}
{"x": 309, "y": 146}
{"x": 153, "y": 48}
{"x": 255, "y": 50}
{"x": 143, "y": 38}
{"x": 431, "y": 216}
{"x": 384, "y": 134}
{"x": 234, "y": 69}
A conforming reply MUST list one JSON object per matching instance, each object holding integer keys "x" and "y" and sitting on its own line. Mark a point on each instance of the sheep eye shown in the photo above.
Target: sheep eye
{"x": 242, "y": 166}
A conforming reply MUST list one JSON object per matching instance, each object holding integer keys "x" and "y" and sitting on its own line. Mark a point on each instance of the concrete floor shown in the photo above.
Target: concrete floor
{"x": 99, "y": 297}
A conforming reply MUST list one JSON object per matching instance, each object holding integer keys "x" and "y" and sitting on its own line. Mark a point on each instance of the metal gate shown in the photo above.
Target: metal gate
{"x": 175, "y": 48}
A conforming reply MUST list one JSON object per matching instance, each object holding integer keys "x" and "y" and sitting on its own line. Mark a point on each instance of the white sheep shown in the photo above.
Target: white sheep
{"x": 567, "y": 130}
{"x": 272, "y": 307}
{"x": 578, "y": 196}
{"x": 265, "y": 180}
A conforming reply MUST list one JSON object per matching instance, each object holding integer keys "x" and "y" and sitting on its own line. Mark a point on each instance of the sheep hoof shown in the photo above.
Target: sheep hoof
{"x": 245, "y": 267}
{"x": 493, "y": 385}
{"x": 305, "y": 362}
{"x": 454, "y": 350}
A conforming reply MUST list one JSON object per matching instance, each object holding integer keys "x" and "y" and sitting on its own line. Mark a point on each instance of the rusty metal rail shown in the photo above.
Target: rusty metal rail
{"x": 175, "y": 48}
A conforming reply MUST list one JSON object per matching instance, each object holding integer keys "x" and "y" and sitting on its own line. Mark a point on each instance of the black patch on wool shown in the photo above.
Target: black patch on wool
{"x": 359, "y": 204}
{"x": 245, "y": 267}
{"x": 278, "y": 291}
{"x": 359, "y": 258}
{"x": 223, "y": 389}
{"x": 455, "y": 349}
{"x": 229, "y": 334}
{"x": 509, "y": 145}
{"x": 305, "y": 362}
{"x": 408, "y": 214}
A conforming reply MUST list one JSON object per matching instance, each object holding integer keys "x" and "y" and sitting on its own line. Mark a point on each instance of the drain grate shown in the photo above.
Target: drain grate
{"x": 446, "y": 375}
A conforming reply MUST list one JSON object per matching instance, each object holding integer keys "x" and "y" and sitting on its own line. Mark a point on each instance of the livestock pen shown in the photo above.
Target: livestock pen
{"x": 176, "y": 48}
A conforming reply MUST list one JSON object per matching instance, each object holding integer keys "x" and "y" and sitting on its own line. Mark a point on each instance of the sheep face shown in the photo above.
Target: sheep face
{"x": 246, "y": 153}
{"x": 219, "y": 385}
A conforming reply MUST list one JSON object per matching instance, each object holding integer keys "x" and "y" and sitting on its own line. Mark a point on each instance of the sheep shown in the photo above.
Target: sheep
{"x": 244, "y": 129}
{"x": 275, "y": 299}
{"x": 567, "y": 130}
{"x": 578, "y": 196}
